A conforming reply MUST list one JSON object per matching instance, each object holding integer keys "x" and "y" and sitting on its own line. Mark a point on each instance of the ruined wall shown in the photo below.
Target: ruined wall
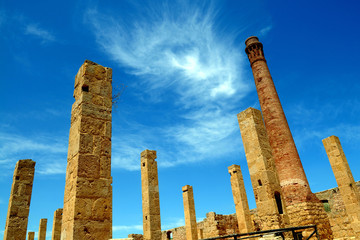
{"x": 345, "y": 180}
{"x": 219, "y": 225}
{"x": 136, "y": 236}
{"x": 212, "y": 226}
{"x": 178, "y": 233}
{"x": 335, "y": 208}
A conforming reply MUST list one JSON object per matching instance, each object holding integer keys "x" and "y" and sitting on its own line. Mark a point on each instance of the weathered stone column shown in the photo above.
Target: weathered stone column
{"x": 345, "y": 180}
{"x": 19, "y": 202}
{"x": 87, "y": 212}
{"x": 31, "y": 235}
{"x": 240, "y": 199}
{"x": 303, "y": 206}
{"x": 56, "y": 230}
{"x": 189, "y": 212}
{"x": 264, "y": 179}
{"x": 42, "y": 229}
{"x": 150, "y": 196}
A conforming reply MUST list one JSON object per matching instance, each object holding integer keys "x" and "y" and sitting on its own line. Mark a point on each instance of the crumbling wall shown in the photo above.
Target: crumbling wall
{"x": 335, "y": 208}
{"x": 220, "y": 225}
{"x": 178, "y": 233}
{"x": 212, "y": 226}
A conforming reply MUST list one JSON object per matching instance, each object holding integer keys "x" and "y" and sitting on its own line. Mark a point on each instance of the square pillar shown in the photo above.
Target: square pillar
{"x": 87, "y": 212}
{"x": 240, "y": 199}
{"x": 42, "y": 229}
{"x": 189, "y": 212}
{"x": 56, "y": 230}
{"x": 265, "y": 182}
{"x": 19, "y": 202}
{"x": 31, "y": 235}
{"x": 345, "y": 180}
{"x": 150, "y": 196}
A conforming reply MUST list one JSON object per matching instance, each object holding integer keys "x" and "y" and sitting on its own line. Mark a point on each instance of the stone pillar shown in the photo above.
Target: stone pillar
{"x": 189, "y": 212}
{"x": 240, "y": 199}
{"x": 264, "y": 179}
{"x": 200, "y": 233}
{"x": 56, "y": 230}
{"x": 150, "y": 196}
{"x": 345, "y": 180}
{"x": 42, "y": 229}
{"x": 87, "y": 212}
{"x": 303, "y": 206}
{"x": 19, "y": 202}
{"x": 31, "y": 235}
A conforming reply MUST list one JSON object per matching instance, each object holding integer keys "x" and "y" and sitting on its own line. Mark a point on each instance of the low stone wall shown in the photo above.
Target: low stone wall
{"x": 219, "y": 225}
{"x": 335, "y": 208}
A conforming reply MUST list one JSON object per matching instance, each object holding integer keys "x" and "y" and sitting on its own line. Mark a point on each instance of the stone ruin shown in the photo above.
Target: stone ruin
{"x": 282, "y": 192}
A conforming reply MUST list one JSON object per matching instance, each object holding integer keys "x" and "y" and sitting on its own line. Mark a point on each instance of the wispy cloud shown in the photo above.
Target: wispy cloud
{"x": 127, "y": 228}
{"x": 48, "y": 152}
{"x": 265, "y": 30}
{"x": 54, "y": 167}
{"x": 182, "y": 45}
{"x": 173, "y": 223}
{"x": 35, "y": 30}
{"x": 179, "y": 51}
{"x": 321, "y": 121}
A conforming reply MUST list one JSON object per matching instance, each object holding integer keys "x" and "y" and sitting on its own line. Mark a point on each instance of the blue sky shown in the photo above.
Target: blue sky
{"x": 183, "y": 76}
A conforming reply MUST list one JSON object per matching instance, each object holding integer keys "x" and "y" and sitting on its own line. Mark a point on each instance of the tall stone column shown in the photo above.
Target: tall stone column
{"x": 345, "y": 180}
{"x": 31, "y": 235}
{"x": 302, "y": 205}
{"x": 42, "y": 229}
{"x": 240, "y": 199}
{"x": 19, "y": 202}
{"x": 264, "y": 179}
{"x": 150, "y": 196}
{"x": 87, "y": 212}
{"x": 56, "y": 229}
{"x": 189, "y": 212}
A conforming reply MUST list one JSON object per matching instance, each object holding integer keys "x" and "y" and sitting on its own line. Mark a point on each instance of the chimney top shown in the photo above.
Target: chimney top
{"x": 251, "y": 40}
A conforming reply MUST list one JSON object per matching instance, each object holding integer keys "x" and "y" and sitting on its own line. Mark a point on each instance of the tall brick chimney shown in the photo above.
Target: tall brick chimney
{"x": 292, "y": 177}
{"x": 303, "y": 206}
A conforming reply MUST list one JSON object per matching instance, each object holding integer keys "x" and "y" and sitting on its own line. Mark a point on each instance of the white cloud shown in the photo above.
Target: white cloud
{"x": 183, "y": 48}
{"x": 35, "y": 30}
{"x": 264, "y": 31}
{"x": 127, "y": 228}
{"x": 126, "y": 152}
{"x": 323, "y": 120}
{"x": 173, "y": 223}
{"x": 54, "y": 167}
{"x": 177, "y": 51}
{"x": 49, "y": 153}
